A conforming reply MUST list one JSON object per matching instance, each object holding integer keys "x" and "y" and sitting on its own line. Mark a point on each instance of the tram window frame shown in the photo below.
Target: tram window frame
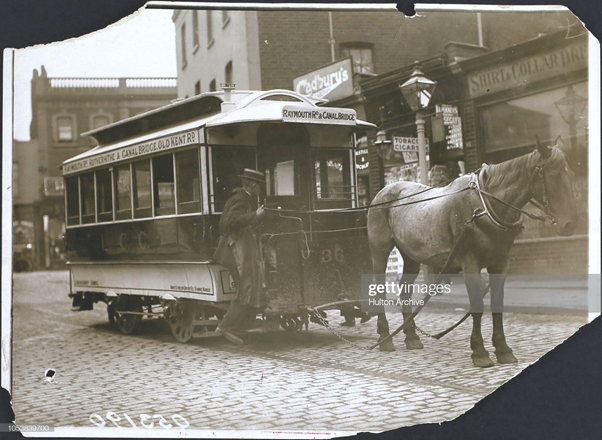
{"x": 217, "y": 205}
{"x": 104, "y": 195}
{"x": 137, "y": 173}
{"x": 188, "y": 184}
{"x": 339, "y": 197}
{"x": 123, "y": 213}
{"x": 72, "y": 200}
{"x": 162, "y": 171}
{"x": 87, "y": 197}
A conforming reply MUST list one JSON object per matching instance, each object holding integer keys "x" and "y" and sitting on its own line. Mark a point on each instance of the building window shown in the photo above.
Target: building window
{"x": 195, "y": 31}
{"x": 183, "y": 36}
{"x": 228, "y": 72}
{"x": 100, "y": 119}
{"x": 225, "y": 19}
{"x": 361, "y": 54}
{"x": 197, "y": 88}
{"x": 212, "y": 87}
{"x": 65, "y": 128}
{"x": 209, "y": 28}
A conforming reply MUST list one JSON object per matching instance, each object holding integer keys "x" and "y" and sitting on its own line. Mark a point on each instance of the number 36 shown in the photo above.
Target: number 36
{"x": 328, "y": 256}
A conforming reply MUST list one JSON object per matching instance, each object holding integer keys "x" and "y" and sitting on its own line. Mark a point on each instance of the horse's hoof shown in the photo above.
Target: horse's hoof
{"x": 482, "y": 362}
{"x": 386, "y": 345}
{"x": 506, "y": 358}
{"x": 414, "y": 344}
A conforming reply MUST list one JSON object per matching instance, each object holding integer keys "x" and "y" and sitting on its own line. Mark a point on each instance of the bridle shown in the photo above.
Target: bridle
{"x": 537, "y": 175}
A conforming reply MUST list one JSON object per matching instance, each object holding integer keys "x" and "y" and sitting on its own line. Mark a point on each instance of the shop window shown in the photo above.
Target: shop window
{"x": 212, "y": 86}
{"x": 509, "y": 127}
{"x": 189, "y": 187}
{"x": 195, "y": 30}
{"x": 104, "y": 196}
{"x": 86, "y": 182}
{"x": 142, "y": 189}
{"x": 164, "y": 185}
{"x": 65, "y": 126}
{"x": 228, "y": 73}
{"x": 72, "y": 187}
{"x": 361, "y": 55}
{"x": 332, "y": 175}
{"x": 123, "y": 192}
{"x": 183, "y": 45}
{"x": 228, "y": 164}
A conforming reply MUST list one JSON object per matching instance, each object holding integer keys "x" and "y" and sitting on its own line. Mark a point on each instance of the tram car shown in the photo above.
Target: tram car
{"x": 143, "y": 210}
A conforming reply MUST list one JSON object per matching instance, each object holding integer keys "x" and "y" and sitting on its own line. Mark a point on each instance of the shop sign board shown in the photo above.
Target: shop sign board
{"x": 361, "y": 159}
{"x": 408, "y": 144}
{"x": 452, "y": 124}
{"x": 332, "y": 82}
{"x": 529, "y": 69}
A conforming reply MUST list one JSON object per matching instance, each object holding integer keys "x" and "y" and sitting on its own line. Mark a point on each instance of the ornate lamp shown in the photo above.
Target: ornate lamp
{"x": 417, "y": 92}
{"x": 571, "y": 107}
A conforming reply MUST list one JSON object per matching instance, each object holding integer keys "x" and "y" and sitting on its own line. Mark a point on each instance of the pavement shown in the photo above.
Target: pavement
{"x": 316, "y": 383}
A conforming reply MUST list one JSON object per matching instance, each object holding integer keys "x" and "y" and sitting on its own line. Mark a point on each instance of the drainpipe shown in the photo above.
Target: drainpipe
{"x": 480, "y": 28}
{"x": 331, "y": 41}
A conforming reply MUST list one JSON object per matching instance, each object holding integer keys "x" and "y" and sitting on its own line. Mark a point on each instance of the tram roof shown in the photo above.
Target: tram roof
{"x": 243, "y": 107}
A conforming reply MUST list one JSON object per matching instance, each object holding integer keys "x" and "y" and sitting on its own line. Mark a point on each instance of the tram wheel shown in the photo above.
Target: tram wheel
{"x": 127, "y": 324}
{"x": 180, "y": 321}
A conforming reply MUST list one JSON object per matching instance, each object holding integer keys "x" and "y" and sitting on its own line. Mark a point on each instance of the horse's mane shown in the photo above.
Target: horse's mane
{"x": 505, "y": 173}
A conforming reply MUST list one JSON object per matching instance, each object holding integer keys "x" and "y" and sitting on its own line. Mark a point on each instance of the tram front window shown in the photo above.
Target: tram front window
{"x": 228, "y": 164}
{"x": 163, "y": 185}
{"x": 332, "y": 177}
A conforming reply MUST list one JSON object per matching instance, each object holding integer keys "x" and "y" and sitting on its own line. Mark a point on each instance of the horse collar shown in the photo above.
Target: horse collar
{"x": 505, "y": 226}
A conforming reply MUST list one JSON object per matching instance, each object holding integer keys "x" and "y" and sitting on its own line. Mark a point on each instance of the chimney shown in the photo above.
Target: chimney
{"x": 228, "y": 105}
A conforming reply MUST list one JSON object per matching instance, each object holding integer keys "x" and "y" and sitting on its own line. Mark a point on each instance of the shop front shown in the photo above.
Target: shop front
{"x": 538, "y": 88}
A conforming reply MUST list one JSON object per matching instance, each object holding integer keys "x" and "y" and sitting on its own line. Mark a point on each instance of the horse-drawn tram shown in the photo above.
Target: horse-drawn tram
{"x": 143, "y": 210}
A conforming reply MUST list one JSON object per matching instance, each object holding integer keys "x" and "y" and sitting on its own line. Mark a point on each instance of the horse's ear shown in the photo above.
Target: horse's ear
{"x": 559, "y": 142}
{"x": 544, "y": 151}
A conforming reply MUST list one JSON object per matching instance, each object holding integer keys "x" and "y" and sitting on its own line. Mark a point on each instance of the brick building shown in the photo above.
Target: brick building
{"x": 62, "y": 108}
{"x": 266, "y": 49}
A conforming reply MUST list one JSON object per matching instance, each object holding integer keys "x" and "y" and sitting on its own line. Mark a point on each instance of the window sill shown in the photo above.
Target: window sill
{"x": 210, "y": 43}
{"x": 225, "y": 23}
{"x": 195, "y": 48}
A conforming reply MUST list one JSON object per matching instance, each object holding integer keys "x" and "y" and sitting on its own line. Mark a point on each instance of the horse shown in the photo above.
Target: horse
{"x": 478, "y": 215}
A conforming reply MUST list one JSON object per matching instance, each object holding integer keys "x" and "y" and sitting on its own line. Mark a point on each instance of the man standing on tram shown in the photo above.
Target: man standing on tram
{"x": 239, "y": 250}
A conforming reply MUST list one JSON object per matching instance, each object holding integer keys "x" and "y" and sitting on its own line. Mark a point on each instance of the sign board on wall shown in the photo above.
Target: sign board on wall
{"x": 452, "y": 124}
{"x": 527, "y": 70}
{"x": 331, "y": 82}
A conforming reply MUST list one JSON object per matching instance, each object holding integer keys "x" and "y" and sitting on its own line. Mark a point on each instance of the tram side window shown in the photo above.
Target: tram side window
{"x": 163, "y": 185}
{"x": 228, "y": 164}
{"x": 332, "y": 175}
{"x": 142, "y": 189}
{"x": 104, "y": 196}
{"x": 123, "y": 194}
{"x": 189, "y": 188}
{"x": 72, "y": 188}
{"x": 87, "y": 197}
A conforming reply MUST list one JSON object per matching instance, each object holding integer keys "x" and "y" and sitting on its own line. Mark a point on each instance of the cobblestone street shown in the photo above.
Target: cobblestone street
{"x": 310, "y": 381}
